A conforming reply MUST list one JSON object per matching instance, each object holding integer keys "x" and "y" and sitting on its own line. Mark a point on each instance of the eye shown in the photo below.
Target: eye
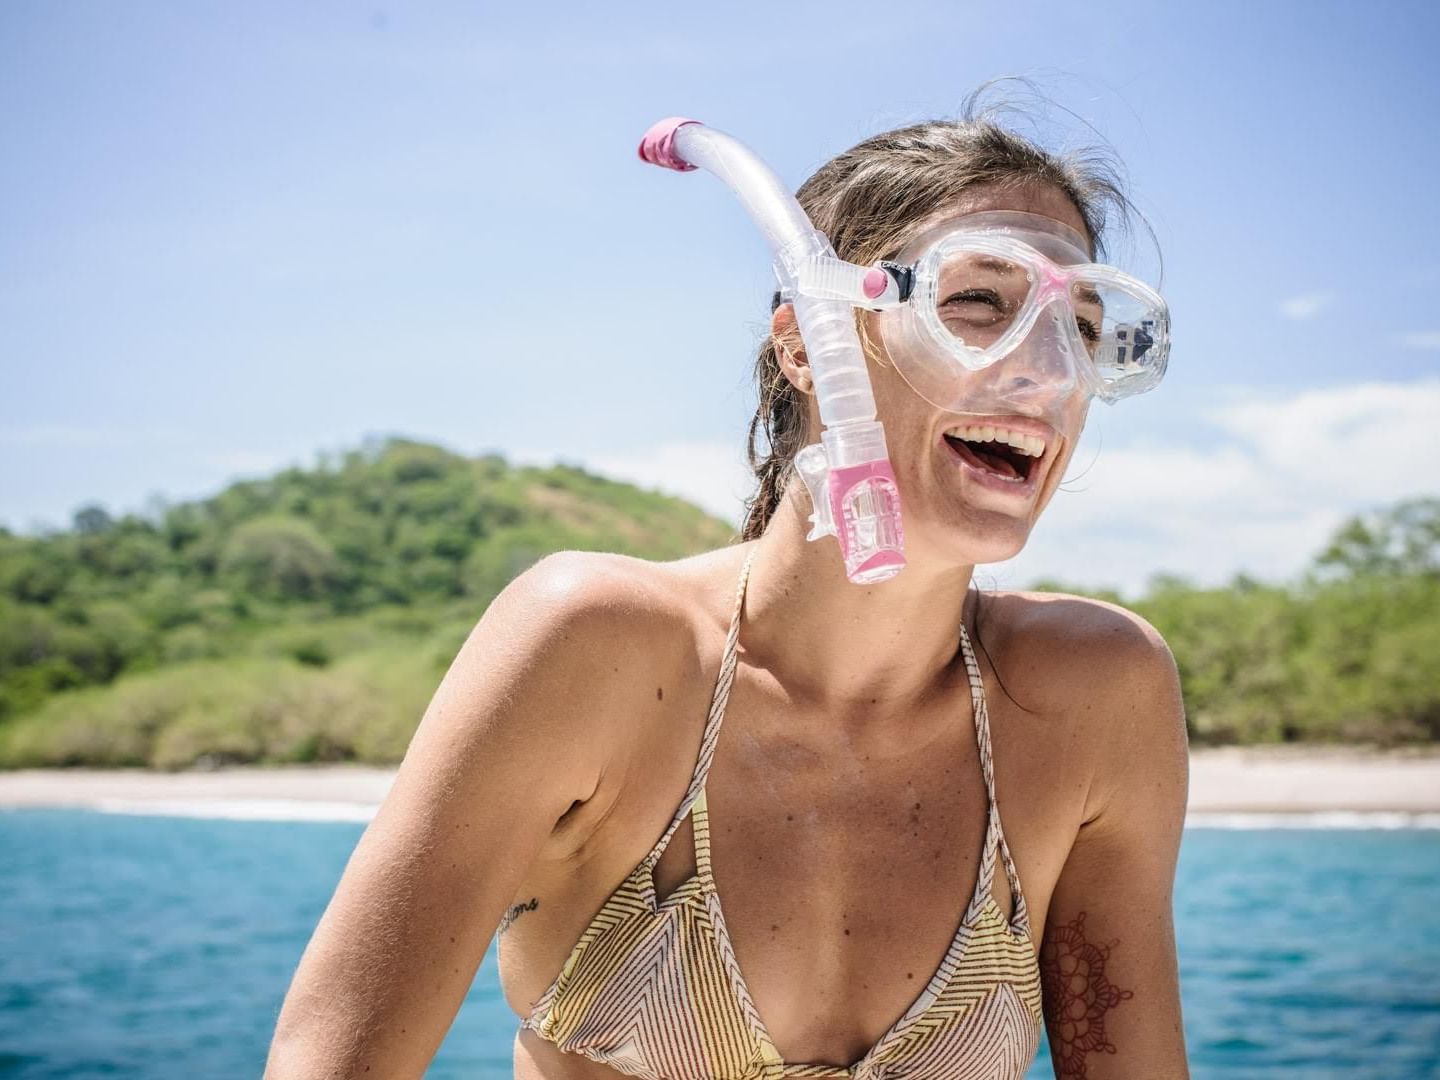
{"x": 979, "y": 307}
{"x": 1088, "y": 330}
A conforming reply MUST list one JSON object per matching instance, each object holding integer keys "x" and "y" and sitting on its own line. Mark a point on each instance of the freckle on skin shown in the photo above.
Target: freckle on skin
{"x": 659, "y": 693}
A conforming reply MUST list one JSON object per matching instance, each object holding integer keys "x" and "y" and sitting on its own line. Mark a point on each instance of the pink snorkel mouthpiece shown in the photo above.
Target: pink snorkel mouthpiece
{"x": 848, "y": 474}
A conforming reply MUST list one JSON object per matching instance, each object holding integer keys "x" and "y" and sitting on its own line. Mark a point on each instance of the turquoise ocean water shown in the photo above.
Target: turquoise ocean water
{"x": 160, "y": 946}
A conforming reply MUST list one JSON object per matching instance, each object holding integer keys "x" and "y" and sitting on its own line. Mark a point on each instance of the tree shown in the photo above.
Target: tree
{"x": 279, "y": 557}
{"x": 1404, "y": 539}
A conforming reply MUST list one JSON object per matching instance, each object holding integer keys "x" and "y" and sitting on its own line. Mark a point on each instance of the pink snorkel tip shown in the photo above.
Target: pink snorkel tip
{"x": 658, "y": 145}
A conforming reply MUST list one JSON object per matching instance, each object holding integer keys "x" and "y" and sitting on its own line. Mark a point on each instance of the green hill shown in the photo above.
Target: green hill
{"x": 303, "y": 617}
{"x": 309, "y": 616}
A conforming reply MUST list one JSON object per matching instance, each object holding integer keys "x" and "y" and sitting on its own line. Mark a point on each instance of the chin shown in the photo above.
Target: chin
{"x": 991, "y": 550}
{"x": 967, "y": 543}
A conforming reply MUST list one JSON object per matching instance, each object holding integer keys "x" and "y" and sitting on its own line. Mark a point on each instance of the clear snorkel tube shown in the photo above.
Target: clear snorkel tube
{"x": 848, "y": 473}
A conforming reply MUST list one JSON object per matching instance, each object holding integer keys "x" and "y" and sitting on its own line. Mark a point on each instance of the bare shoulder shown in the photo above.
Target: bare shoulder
{"x": 601, "y": 627}
{"x": 1083, "y": 642}
{"x": 1108, "y": 671}
{"x": 593, "y": 599}
{"x": 606, "y": 619}
{"x": 546, "y": 691}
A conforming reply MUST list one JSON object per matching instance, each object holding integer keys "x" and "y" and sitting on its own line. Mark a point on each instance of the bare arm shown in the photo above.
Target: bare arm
{"x": 496, "y": 760}
{"x": 1108, "y": 965}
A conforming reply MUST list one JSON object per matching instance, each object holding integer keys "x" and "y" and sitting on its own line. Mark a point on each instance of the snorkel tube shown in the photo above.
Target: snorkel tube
{"x": 847, "y": 473}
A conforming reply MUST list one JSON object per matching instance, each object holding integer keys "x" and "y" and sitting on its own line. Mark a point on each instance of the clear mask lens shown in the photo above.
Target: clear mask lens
{"x": 979, "y": 297}
{"x": 1126, "y": 333}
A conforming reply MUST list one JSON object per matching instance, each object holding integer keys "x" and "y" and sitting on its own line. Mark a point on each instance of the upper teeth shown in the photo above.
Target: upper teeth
{"x": 1031, "y": 445}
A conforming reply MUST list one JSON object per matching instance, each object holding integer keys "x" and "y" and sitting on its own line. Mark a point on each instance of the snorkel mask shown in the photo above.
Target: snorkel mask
{"x": 995, "y": 313}
{"x": 1004, "y": 315}
{"x": 981, "y": 289}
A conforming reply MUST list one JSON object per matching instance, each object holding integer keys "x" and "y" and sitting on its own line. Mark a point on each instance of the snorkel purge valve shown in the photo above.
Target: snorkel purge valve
{"x": 847, "y": 473}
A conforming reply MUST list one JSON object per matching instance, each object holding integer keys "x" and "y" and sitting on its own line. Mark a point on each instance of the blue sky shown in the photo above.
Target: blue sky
{"x": 237, "y": 235}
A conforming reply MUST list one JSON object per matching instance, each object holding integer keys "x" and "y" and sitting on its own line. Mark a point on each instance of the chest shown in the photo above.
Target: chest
{"x": 843, "y": 866}
{"x": 843, "y": 860}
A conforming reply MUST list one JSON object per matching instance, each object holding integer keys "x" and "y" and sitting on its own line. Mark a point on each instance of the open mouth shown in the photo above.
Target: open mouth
{"x": 999, "y": 453}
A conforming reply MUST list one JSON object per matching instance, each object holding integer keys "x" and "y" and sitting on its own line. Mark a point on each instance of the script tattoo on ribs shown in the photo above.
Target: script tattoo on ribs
{"x": 515, "y": 912}
{"x": 1077, "y": 996}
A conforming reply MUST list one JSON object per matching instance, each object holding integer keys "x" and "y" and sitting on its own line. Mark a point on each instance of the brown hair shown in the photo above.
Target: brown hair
{"x": 867, "y": 200}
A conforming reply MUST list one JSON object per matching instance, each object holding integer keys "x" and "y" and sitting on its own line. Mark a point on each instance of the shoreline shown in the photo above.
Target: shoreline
{"x": 1335, "y": 786}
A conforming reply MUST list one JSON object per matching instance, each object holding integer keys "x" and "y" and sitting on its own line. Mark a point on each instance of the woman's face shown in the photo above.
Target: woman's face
{"x": 954, "y": 511}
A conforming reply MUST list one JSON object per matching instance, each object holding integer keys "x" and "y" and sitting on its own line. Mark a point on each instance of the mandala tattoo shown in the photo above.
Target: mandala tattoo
{"x": 1077, "y": 996}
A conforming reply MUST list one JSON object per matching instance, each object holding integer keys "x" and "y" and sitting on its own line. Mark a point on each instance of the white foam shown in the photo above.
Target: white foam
{"x": 241, "y": 809}
{"x": 1318, "y": 819}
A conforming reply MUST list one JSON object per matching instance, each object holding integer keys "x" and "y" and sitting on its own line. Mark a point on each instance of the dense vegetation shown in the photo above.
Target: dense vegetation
{"x": 304, "y": 617}
{"x": 309, "y": 616}
{"x": 1349, "y": 653}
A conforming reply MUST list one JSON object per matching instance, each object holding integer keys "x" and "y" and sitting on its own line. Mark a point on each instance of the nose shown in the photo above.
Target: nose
{"x": 1043, "y": 367}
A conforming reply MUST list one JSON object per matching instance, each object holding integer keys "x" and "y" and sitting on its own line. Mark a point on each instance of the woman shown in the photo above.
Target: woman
{"x": 620, "y": 744}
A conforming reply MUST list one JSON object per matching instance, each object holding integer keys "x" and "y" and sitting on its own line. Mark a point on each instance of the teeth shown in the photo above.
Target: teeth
{"x": 1030, "y": 445}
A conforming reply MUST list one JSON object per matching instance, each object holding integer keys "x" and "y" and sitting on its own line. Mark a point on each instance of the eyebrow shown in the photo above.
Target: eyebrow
{"x": 1000, "y": 266}
{"x": 1087, "y": 294}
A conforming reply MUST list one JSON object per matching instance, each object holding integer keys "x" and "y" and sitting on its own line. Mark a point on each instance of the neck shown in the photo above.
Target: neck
{"x": 843, "y": 646}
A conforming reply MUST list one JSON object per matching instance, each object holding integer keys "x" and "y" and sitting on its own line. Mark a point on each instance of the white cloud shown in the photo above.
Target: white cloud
{"x": 1307, "y": 306}
{"x": 248, "y": 462}
{"x": 1278, "y": 476}
{"x": 712, "y": 475}
{"x": 1420, "y": 339}
{"x": 1262, "y": 498}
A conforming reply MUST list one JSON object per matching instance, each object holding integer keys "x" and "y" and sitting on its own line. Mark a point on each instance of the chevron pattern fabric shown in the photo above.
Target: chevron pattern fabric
{"x": 652, "y": 988}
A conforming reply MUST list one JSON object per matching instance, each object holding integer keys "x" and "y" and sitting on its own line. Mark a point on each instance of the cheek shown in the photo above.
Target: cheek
{"x": 908, "y": 418}
{"x": 896, "y": 402}
{"x": 1074, "y": 426}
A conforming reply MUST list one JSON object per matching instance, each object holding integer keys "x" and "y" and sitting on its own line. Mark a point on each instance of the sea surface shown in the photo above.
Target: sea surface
{"x": 161, "y": 945}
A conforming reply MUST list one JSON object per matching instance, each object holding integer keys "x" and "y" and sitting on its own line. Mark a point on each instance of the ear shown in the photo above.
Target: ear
{"x": 790, "y": 348}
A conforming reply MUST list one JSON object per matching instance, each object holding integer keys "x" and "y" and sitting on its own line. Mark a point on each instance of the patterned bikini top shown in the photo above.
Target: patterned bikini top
{"x": 652, "y": 988}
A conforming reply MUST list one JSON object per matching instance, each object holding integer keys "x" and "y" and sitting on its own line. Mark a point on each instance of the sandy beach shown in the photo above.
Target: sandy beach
{"x": 1231, "y": 781}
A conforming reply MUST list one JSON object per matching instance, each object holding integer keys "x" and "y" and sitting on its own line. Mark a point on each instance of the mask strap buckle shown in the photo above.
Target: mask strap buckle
{"x": 825, "y": 277}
